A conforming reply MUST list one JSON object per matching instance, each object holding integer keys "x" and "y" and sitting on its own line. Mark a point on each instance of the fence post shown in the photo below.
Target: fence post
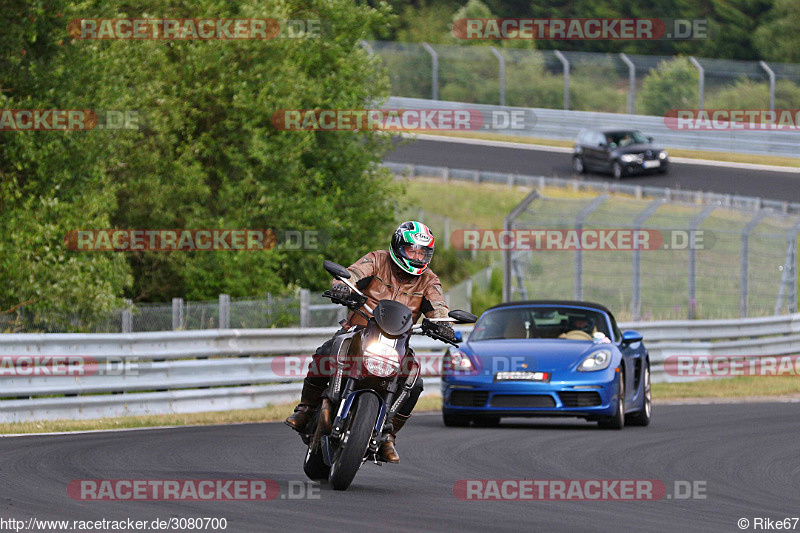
{"x": 636, "y": 304}
{"x": 446, "y": 236}
{"x": 469, "y": 295}
{"x": 744, "y": 262}
{"x": 693, "y": 225}
{"x": 224, "y": 311}
{"x": 269, "y": 309}
{"x": 366, "y": 46}
{"x": 789, "y": 276}
{"x": 508, "y": 224}
{"x": 434, "y": 70}
{"x": 565, "y": 64}
{"x": 771, "y": 75}
{"x": 577, "y": 288}
{"x": 501, "y": 75}
{"x": 127, "y": 317}
{"x": 702, "y": 80}
{"x": 632, "y": 81}
{"x": 177, "y": 314}
{"x": 305, "y": 301}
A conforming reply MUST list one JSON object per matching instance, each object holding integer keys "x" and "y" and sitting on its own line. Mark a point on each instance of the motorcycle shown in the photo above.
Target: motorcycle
{"x": 374, "y": 372}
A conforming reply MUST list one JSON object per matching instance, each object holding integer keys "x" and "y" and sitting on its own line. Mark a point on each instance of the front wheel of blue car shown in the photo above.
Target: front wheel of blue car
{"x": 617, "y": 420}
{"x": 642, "y": 418}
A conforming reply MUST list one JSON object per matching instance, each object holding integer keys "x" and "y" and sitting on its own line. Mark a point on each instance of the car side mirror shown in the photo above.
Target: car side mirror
{"x": 336, "y": 270}
{"x": 601, "y": 144}
{"x": 459, "y": 337}
{"x": 649, "y": 139}
{"x": 630, "y": 336}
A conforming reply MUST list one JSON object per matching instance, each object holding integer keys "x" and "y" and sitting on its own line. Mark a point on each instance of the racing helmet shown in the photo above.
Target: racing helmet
{"x": 412, "y": 247}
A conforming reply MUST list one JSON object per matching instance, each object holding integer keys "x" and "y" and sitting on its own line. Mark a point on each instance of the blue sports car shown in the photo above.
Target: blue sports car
{"x": 547, "y": 358}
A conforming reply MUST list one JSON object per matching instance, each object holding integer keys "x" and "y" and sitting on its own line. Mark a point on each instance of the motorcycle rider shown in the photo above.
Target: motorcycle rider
{"x": 400, "y": 274}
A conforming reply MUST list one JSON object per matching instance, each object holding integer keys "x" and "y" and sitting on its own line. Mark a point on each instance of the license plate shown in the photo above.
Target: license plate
{"x": 651, "y": 164}
{"x": 522, "y": 376}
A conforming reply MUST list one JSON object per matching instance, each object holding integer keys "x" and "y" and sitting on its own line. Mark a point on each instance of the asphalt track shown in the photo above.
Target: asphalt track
{"x": 777, "y": 185}
{"x": 745, "y": 453}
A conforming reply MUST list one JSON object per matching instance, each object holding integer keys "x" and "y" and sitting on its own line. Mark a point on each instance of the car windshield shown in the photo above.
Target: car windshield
{"x": 541, "y": 322}
{"x": 624, "y": 138}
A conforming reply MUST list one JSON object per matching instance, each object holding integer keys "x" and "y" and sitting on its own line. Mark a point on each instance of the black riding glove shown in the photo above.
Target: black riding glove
{"x": 341, "y": 291}
{"x": 446, "y": 330}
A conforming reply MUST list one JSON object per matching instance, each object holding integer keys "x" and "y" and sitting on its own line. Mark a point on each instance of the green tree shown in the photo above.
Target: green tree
{"x": 673, "y": 85}
{"x": 777, "y": 39}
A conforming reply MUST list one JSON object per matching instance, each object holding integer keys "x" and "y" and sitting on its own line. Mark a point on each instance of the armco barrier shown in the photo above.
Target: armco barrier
{"x": 215, "y": 370}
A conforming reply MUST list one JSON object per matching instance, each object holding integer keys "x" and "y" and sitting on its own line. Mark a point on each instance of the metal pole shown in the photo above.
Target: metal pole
{"x": 446, "y": 236}
{"x": 771, "y": 75}
{"x": 632, "y": 80}
{"x": 434, "y": 69}
{"x": 508, "y": 224}
{"x": 789, "y": 276}
{"x": 127, "y": 317}
{"x": 565, "y": 64}
{"x": 366, "y": 46}
{"x": 502, "y": 74}
{"x": 224, "y": 311}
{"x": 638, "y": 222}
{"x": 693, "y": 225}
{"x": 577, "y": 288}
{"x": 305, "y": 301}
{"x": 744, "y": 261}
{"x": 177, "y": 314}
{"x": 702, "y": 82}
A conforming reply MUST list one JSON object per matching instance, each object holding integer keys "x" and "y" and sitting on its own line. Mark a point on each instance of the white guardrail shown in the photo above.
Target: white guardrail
{"x": 215, "y": 370}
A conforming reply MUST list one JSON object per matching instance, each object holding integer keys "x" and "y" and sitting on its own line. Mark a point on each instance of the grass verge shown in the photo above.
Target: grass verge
{"x": 673, "y": 152}
{"x": 741, "y": 387}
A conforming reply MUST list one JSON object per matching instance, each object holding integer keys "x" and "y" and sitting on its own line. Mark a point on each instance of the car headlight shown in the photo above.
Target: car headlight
{"x": 662, "y": 154}
{"x": 381, "y": 360}
{"x": 627, "y": 158}
{"x": 598, "y": 360}
{"x": 458, "y": 361}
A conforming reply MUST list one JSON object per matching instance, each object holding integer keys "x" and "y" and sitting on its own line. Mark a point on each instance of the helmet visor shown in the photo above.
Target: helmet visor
{"x": 417, "y": 254}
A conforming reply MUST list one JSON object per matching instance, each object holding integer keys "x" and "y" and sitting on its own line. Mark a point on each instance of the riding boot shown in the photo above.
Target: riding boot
{"x": 387, "y": 450}
{"x": 310, "y": 399}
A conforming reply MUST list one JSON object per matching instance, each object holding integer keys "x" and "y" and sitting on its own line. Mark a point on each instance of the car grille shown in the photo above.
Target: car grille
{"x": 468, "y": 398}
{"x": 522, "y": 400}
{"x": 580, "y": 399}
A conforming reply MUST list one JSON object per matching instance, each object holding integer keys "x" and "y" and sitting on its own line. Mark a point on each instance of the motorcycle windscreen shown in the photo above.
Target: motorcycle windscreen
{"x": 393, "y": 317}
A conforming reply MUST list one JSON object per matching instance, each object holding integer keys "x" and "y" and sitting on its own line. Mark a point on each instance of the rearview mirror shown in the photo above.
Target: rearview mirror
{"x": 630, "y": 336}
{"x": 462, "y": 317}
{"x": 336, "y": 270}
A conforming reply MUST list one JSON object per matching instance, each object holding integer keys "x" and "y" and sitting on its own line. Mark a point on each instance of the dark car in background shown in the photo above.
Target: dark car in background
{"x": 619, "y": 152}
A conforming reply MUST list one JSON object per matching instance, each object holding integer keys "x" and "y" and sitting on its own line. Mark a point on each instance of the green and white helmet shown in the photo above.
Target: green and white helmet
{"x": 412, "y": 247}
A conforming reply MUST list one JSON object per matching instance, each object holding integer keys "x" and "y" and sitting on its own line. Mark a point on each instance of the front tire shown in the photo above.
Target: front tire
{"x": 617, "y": 171}
{"x": 350, "y": 454}
{"x": 642, "y": 418}
{"x": 616, "y": 421}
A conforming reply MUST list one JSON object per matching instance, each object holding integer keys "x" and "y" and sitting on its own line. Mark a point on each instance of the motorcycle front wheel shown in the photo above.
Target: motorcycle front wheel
{"x": 348, "y": 457}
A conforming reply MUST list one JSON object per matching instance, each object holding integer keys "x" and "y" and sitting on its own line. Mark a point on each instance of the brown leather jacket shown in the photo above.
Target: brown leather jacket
{"x": 378, "y": 278}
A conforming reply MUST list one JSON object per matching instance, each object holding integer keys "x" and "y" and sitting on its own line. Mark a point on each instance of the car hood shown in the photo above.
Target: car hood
{"x": 637, "y": 149}
{"x": 546, "y": 355}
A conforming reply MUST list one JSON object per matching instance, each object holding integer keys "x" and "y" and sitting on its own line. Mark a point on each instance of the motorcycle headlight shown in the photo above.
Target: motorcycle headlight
{"x": 627, "y": 158}
{"x": 381, "y": 360}
{"x": 598, "y": 360}
{"x": 662, "y": 154}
